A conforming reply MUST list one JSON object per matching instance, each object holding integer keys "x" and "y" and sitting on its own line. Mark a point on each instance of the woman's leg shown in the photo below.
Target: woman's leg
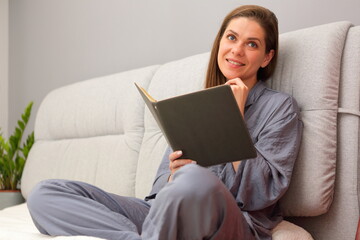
{"x": 195, "y": 205}
{"x": 60, "y": 207}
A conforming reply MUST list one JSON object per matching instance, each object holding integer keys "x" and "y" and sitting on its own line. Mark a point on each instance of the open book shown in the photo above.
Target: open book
{"x": 206, "y": 125}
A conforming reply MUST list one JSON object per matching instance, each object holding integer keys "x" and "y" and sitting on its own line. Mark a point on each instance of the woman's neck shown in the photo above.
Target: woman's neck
{"x": 250, "y": 83}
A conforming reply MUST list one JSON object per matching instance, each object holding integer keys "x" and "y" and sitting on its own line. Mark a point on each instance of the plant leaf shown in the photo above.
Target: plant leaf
{"x": 28, "y": 145}
{"x": 12, "y": 156}
{"x": 21, "y": 125}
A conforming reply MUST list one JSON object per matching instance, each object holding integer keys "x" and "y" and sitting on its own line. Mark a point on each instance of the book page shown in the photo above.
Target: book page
{"x": 145, "y": 93}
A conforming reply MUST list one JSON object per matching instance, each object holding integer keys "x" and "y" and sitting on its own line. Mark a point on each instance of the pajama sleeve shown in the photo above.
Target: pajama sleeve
{"x": 162, "y": 175}
{"x": 262, "y": 181}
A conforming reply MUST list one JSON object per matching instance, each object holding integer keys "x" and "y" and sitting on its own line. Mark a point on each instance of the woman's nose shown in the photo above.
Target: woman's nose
{"x": 238, "y": 50}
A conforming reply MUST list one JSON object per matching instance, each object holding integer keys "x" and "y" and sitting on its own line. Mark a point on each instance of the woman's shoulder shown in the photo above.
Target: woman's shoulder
{"x": 278, "y": 98}
{"x": 273, "y": 103}
{"x": 269, "y": 106}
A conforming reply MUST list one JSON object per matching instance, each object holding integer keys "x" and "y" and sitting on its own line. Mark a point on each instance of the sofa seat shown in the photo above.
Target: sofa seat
{"x": 16, "y": 223}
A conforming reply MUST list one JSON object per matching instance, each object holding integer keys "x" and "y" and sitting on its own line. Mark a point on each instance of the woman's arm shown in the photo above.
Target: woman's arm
{"x": 168, "y": 166}
{"x": 162, "y": 175}
{"x": 265, "y": 179}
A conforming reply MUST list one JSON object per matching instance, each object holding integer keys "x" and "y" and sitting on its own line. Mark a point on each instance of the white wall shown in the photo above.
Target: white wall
{"x": 58, "y": 42}
{"x": 4, "y": 66}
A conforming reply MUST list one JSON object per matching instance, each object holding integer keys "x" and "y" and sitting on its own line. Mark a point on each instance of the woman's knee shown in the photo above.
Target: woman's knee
{"x": 42, "y": 194}
{"x": 194, "y": 194}
{"x": 194, "y": 183}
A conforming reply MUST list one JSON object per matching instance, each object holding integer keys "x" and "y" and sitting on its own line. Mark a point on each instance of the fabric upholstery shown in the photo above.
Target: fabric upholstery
{"x": 343, "y": 215}
{"x": 90, "y": 131}
{"x": 309, "y": 69}
{"x": 286, "y": 230}
{"x": 17, "y": 220}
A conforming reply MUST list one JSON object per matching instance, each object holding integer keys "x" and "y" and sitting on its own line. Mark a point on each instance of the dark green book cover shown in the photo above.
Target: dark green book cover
{"x": 206, "y": 125}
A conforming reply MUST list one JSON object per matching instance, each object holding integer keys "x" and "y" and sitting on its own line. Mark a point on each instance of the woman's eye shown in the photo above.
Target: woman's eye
{"x": 231, "y": 37}
{"x": 252, "y": 45}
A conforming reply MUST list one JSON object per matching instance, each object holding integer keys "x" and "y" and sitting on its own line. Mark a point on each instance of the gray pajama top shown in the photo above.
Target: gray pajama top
{"x": 273, "y": 120}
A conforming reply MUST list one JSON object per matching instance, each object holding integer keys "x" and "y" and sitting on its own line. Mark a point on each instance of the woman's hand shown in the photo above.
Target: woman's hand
{"x": 176, "y": 163}
{"x": 240, "y": 91}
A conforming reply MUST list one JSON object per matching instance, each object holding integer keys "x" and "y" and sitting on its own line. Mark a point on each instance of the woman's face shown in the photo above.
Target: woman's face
{"x": 242, "y": 50}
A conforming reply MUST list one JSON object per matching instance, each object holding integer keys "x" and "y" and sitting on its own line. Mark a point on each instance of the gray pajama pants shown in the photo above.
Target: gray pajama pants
{"x": 195, "y": 205}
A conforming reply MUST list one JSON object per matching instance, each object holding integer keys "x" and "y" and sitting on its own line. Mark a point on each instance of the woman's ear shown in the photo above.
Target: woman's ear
{"x": 268, "y": 58}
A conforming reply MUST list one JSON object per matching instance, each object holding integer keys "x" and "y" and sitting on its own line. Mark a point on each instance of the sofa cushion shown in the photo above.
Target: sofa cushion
{"x": 90, "y": 131}
{"x": 289, "y": 231}
{"x": 309, "y": 69}
{"x": 343, "y": 215}
{"x": 16, "y": 224}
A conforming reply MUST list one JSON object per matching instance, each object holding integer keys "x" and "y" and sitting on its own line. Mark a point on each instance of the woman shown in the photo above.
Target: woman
{"x": 236, "y": 200}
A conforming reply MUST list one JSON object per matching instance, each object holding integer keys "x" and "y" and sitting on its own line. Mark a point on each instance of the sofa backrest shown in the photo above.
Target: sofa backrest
{"x": 347, "y": 187}
{"x": 309, "y": 69}
{"x": 90, "y": 131}
{"x": 341, "y": 219}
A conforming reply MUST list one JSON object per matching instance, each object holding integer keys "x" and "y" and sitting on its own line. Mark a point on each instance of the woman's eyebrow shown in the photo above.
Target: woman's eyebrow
{"x": 250, "y": 38}
{"x": 233, "y": 32}
{"x": 255, "y": 39}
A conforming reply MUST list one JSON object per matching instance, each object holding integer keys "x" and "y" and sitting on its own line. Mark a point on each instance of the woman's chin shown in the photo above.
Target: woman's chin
{"x": 232, "y": 76}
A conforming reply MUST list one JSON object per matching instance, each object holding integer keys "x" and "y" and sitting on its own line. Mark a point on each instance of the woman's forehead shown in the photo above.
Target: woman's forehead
{"x": 246, "y": 26}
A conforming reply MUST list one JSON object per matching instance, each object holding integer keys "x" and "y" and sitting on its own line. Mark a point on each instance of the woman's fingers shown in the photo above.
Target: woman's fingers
{"x": 175, "y": 165}
{"x": 236, "y": 81}
{"x": 175, "y": 155}
{"x": 176, "y": 162}
{"x": 240, "y": 91}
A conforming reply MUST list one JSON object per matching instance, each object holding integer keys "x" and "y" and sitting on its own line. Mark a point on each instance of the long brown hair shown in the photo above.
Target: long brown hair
{"x": 267, "y": 21}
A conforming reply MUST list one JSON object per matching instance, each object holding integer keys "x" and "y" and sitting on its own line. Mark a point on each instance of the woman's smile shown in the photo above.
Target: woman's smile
{"x": 235, "y": 63}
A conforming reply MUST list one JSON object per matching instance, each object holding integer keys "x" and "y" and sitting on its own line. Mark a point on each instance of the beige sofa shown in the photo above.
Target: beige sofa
{"x": 99, "y": 131}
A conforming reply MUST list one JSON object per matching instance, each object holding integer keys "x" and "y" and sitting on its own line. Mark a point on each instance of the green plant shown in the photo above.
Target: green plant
{"x": 12, "y": 155}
